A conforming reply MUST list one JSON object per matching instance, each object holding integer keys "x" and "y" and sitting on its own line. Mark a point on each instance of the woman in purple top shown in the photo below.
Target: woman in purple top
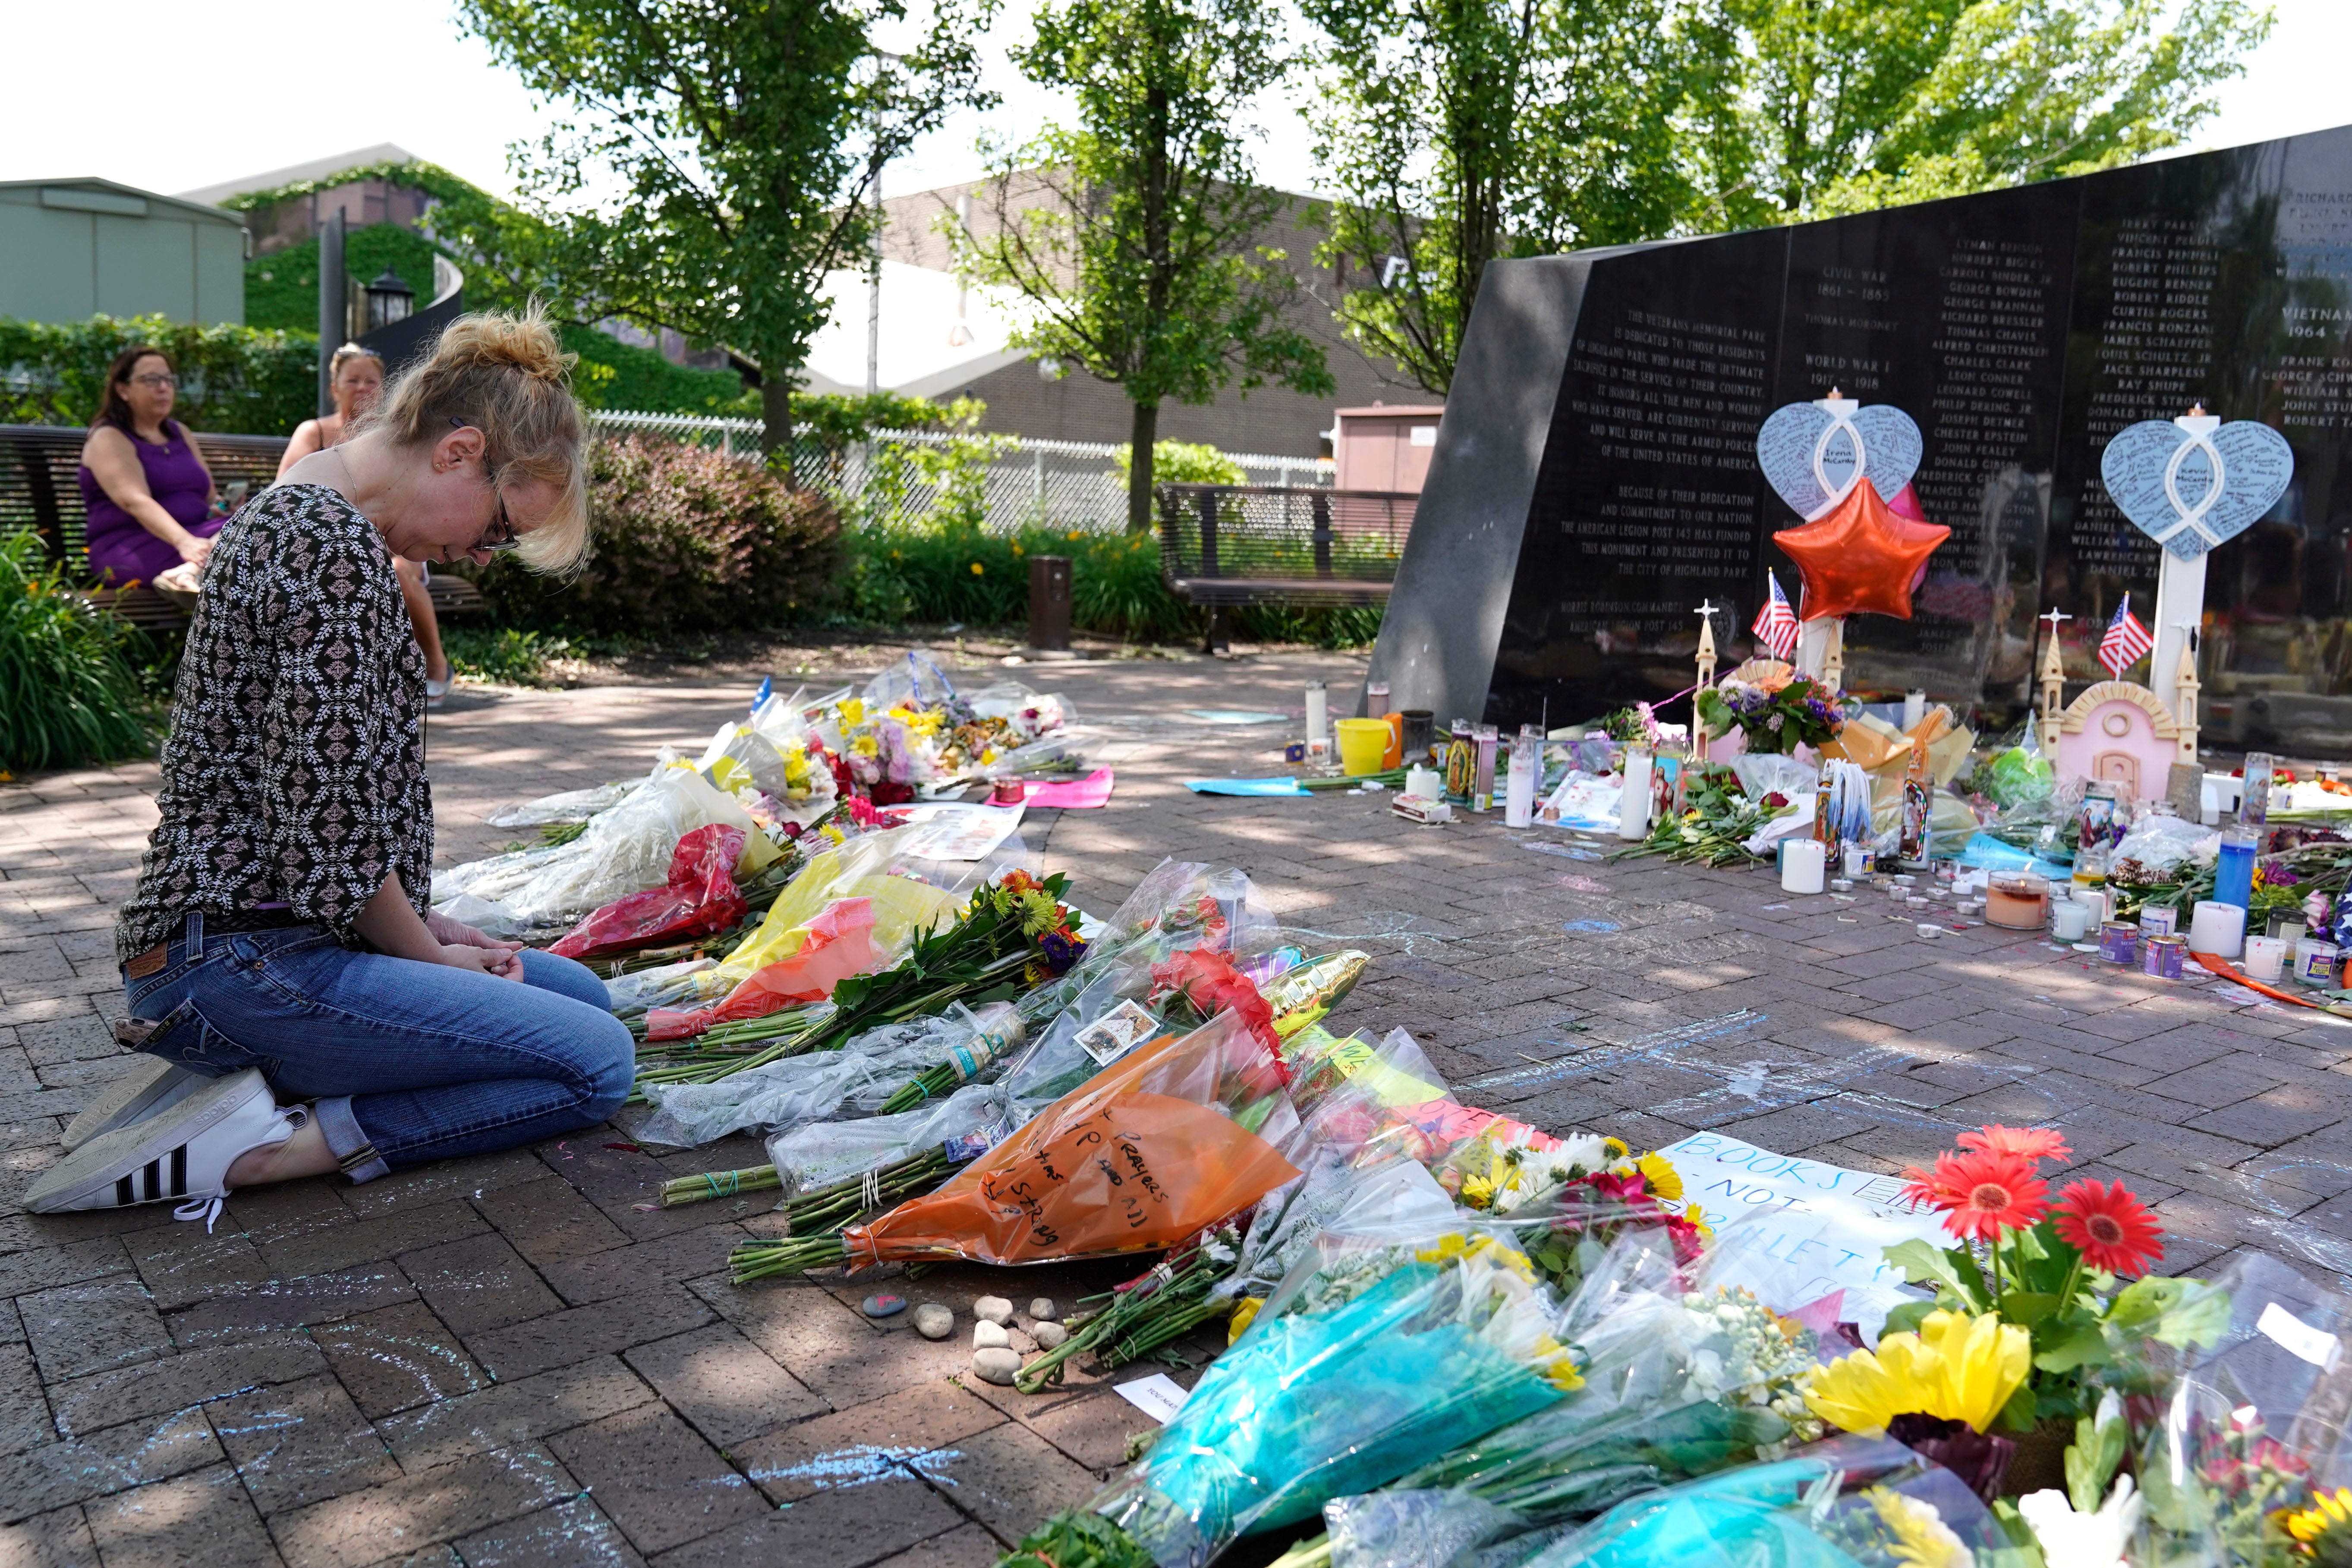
{"x": 144, "y": 486}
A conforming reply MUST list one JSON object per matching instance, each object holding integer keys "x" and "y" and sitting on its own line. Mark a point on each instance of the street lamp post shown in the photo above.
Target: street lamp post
{"x": 388, "y": 300}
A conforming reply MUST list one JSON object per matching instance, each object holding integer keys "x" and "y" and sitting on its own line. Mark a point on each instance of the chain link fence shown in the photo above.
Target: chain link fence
{"x": 1012, "y": 482}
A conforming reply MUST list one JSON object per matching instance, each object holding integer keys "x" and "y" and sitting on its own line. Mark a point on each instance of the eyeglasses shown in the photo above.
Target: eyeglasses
{"x": 151, "y": 379}
{"x": 499, "y": 536}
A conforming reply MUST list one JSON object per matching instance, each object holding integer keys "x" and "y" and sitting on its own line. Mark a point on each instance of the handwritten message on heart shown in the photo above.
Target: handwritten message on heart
{"x": 2192, "y": 483}
{"x": 1812, "y": 452}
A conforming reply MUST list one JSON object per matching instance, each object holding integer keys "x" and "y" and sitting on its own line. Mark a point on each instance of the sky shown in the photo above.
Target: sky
{"x": 181, "y": 96}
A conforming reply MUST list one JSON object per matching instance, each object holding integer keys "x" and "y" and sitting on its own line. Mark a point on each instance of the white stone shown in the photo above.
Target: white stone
{"x": 1040, "y": 1311}
{"x": 996, "y": 1365}
{"x": 992, "y": 1309}
{"x": 987, "y": 1336}
{"x": 1049, "y": 1336}
{"x": 934, "y": 1321}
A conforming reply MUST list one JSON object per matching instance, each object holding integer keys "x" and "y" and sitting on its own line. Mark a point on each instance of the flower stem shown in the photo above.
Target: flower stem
{"x": 717, "y": 1184}
{"x": 795, "y": 1255}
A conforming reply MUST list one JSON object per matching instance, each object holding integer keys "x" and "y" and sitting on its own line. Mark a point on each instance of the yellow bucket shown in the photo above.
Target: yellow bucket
{"x": 1363, "y": 743}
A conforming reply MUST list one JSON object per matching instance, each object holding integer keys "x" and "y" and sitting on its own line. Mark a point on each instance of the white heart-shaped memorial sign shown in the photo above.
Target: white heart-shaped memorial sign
{"x": 1814, "y": 452}
{"x": 2193, "y": 483}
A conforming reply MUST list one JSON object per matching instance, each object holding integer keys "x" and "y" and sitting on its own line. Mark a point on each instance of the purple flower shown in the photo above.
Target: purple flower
{"x": 1060, "y": 952}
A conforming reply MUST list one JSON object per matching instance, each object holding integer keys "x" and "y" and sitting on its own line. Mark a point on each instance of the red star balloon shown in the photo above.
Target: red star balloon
{"x": 1859, "y": 557}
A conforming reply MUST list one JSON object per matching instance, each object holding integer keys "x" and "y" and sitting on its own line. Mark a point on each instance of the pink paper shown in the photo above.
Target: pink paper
{"x": 1821, "y": 1316}
{"x": 1090, "y": 791}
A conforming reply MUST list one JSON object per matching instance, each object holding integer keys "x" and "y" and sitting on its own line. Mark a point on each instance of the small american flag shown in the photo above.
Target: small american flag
{"x": 1776, "y": 622}
{"x": 2127, "y": 642}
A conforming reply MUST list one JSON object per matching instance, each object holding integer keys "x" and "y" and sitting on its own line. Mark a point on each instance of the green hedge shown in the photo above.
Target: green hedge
{"x": 959, "y": 572}
{"x": 685, "y": 540}
{"x": 233, "y": 380}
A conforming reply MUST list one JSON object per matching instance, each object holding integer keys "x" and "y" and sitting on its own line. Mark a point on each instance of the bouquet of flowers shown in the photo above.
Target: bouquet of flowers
{"x": 1718, "y": 819}
{"x": 1372, "y": 1353}
{"x": 1774, "y": 708}
{"x": 1833, "y": 1504}
{"x": 869, "y": 1075}
{"x": 1678, "y": 1383}
{"x": 1172, "y": 1138}
{"x": 699, "y": 899}
{"x": 895, "y": 747}
{"x": 1014, "y": 930}
{"x": 2053, "y": 1270}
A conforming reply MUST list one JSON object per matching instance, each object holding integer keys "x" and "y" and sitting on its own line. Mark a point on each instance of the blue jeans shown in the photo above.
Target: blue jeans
{"x": 407, "y": 1062}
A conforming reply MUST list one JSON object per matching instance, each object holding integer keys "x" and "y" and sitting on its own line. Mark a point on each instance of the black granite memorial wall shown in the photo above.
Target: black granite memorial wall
{"x": 2020, "y": 329}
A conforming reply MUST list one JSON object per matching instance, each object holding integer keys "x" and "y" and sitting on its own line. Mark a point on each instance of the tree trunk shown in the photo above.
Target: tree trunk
{"x": 776, "y": 420}
{"x": 1142, "y": 437}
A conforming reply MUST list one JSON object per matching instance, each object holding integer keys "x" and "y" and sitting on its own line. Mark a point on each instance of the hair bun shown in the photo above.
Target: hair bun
{"x": 524, "y": 342}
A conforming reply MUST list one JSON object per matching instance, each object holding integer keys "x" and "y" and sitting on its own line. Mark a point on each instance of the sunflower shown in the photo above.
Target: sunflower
{"x": 1919, "y": 1537}
{"x": 2033, "y": 1143}
{"x": 2325, "y": 1528}
{"x": 2110, "y": 1227}
{"x": 1982, "y": 1195}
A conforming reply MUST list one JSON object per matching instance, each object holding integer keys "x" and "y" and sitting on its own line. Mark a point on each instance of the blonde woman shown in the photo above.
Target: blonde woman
{"x": 355, "y": 379}
{"x": 300, "y": 1009}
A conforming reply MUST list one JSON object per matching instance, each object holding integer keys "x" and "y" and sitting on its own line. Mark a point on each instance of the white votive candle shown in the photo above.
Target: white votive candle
{"x": 2265, "y": 956}
{"x": 2070, "y": 921}
{"x": 1803, "y": 864}
{"x": 2217, "y": 929}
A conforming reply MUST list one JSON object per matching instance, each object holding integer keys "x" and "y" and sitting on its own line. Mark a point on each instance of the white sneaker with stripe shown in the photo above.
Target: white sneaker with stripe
{"x": 147, "y": 1086}
{"x": 180, "y": 1154}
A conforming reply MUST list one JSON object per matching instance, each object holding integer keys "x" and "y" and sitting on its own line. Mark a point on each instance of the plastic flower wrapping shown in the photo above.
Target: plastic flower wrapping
{"x": 1845, "y": 1502}
{"x": 1177, "y": 1135}
{"x": 799, "y": 770}
{"x": 1387, "y": 1342}
{"x": 1681, "y": 1378}
{"x": 907, "y": 733}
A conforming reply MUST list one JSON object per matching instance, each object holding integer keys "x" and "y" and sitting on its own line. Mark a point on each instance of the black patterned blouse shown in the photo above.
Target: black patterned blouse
{"x": 294, "y": 769}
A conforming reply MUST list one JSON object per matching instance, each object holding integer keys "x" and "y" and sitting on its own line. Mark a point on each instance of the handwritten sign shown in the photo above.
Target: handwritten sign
{"x": 1814, "y": 452}
{"x": 1817, "y": 1227}
{"x": 2194, "y": 482}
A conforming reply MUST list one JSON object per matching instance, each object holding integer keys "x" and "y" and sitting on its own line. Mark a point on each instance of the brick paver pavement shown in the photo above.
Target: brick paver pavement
{"x": 507, "y": 1361}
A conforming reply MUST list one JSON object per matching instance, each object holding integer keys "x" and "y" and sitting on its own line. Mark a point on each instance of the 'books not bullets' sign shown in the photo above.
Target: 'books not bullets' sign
{"x": 1819, "y": 1227}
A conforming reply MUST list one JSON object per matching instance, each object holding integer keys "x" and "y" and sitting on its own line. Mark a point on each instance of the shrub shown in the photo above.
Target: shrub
{"x": 507, "y": 655}
{"x": 683, "y": 539}
{"x": 69, "y": 694}
{"x": 232, "y": 380}
{"x": 1180, "y": 463}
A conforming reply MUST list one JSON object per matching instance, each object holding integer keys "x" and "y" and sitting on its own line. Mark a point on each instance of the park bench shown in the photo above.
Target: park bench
{"x": 39, "y": 492}
{"x": 1222, "y": 546}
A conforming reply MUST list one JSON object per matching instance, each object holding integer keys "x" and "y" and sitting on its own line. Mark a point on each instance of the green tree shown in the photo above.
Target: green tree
{"x": 1845, "y": 107}
{"x": 1456, "y": 131}
{"x": 715, "y": 156}
{"x": 1134, "y": 233}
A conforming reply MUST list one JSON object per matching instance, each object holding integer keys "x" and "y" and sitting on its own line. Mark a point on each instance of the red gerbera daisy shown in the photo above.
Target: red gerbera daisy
{"x": 2033, "y": 1143}
{"x": 1982, "y": 1194}
{"x": 2109, "y": 1226}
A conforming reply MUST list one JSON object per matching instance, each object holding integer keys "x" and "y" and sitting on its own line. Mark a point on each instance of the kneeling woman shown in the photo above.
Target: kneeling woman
{"x": 300, "y": 1009}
